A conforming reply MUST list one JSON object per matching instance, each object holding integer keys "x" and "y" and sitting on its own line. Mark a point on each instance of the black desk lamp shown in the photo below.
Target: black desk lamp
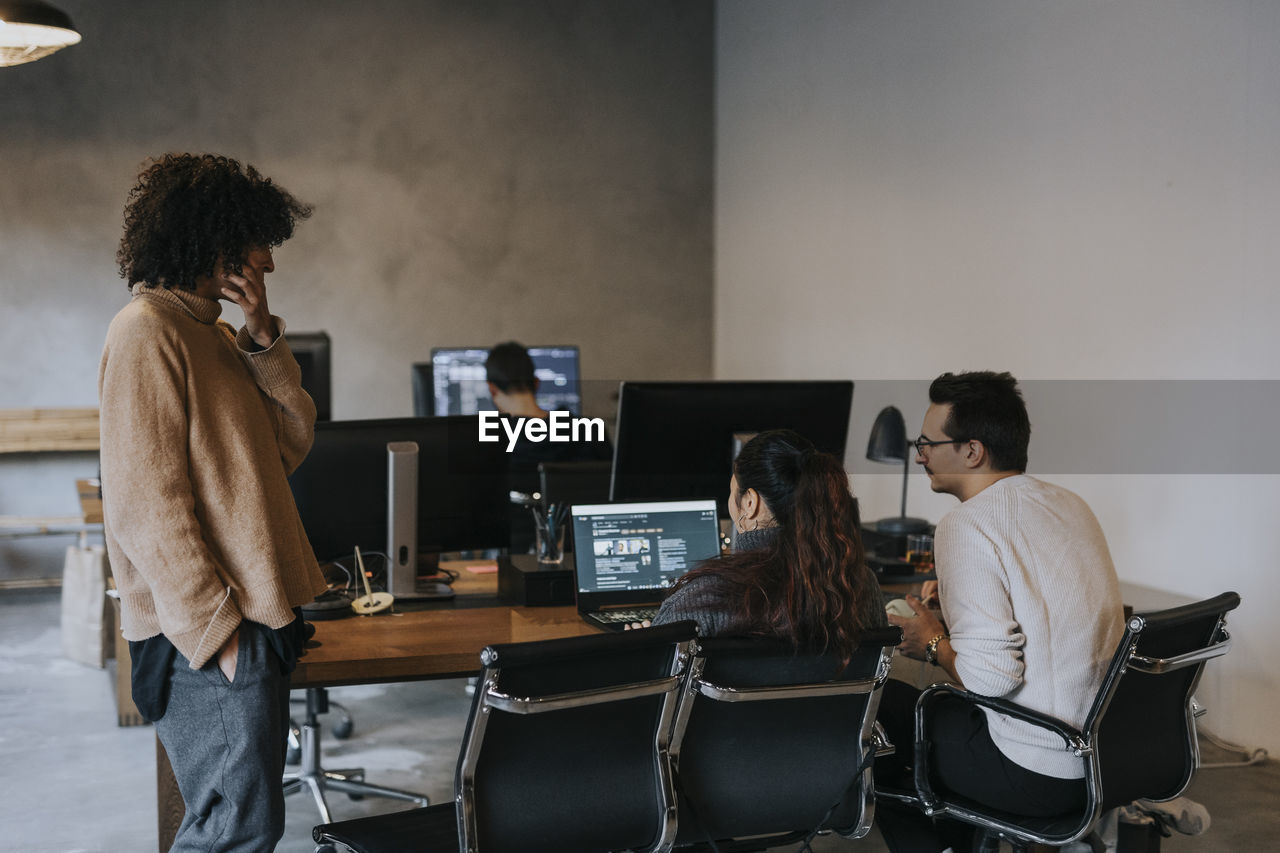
{"x": 889, "y": 443}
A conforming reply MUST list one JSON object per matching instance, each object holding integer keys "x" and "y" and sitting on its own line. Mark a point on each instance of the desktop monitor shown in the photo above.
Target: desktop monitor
{"x": 311, "y": 350}
{"x": 569, "y": 483}
{"x": 462, "y": 487}
{"x": 453, "y": 382}
{"x": 677, "y": 440}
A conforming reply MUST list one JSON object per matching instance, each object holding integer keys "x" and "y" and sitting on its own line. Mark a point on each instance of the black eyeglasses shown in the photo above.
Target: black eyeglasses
{"x": 921, "y": 443}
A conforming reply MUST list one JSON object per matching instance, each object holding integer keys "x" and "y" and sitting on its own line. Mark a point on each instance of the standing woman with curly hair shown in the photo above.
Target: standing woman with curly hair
{"x": 201, "y": 425}
{"x": 798, "y": 570}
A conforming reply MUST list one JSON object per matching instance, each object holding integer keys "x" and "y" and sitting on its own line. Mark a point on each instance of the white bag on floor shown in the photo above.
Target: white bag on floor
{"x": 85, "y": 620}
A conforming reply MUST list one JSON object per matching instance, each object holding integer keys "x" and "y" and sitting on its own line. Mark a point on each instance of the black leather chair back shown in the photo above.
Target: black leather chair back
{"x": 757, "y": 758}
{"x": 566, "y": 745}
{"x": 1146, "y": 742}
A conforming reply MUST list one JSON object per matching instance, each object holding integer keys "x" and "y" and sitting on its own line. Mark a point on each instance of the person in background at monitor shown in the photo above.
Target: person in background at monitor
{"x": 798, "y": 570}
{"x": 1031, "y": 613}
{"x": 200, "y": 426}
{"x": 513, "y": 387}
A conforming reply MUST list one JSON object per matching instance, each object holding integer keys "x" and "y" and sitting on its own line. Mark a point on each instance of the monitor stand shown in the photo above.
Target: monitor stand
{"x": 405, "y": 563}
{"x": 425, "y": 589}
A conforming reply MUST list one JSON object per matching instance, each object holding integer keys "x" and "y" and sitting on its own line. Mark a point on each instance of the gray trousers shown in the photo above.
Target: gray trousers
{"x": 226, "y": 742}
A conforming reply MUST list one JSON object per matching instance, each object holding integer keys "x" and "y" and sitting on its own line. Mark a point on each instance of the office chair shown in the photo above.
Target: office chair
{"x": 774, "y": 746}
{"x": 341, "y": 729}
{"x": 311, "y": 776}
{"x": 1137, "y": 742}
{"x": 566, "y": 748}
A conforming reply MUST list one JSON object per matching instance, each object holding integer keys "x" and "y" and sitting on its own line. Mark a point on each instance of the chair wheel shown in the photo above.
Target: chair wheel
{"x": 356, "y": 797}
{"x": 343, "y": 728}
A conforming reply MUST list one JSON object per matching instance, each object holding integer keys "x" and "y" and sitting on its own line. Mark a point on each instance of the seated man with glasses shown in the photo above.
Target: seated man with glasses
{"x": 1030, "y": 608}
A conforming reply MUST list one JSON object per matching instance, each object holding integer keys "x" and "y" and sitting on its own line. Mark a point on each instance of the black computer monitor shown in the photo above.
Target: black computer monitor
{"x": 341, "y": 487}
{"x": 569, "y": 483}
{"x": 453, "y": 382}
{"x": 311, "y": 349}
{"x": 677, "y": 440}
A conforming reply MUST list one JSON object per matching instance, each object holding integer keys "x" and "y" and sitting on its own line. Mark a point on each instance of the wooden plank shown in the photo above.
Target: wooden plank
{"x": 48, "y": 430}
{"x": 38, "y": 523}
{"x": 19, "y": 415}
{"x": 90, "y": 501}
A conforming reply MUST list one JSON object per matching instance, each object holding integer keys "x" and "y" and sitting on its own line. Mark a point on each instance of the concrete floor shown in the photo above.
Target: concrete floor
{"x": 74, "y": 782}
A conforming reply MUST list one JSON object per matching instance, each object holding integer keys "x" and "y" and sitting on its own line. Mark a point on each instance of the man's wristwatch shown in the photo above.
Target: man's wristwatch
{"x": 931, "y": 649}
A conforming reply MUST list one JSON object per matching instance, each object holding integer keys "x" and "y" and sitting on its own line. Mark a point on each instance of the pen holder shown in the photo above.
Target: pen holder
{"x": 548, "y": 528}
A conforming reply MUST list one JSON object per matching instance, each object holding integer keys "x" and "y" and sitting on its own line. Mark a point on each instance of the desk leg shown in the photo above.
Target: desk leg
{"x": 169, "y": 806}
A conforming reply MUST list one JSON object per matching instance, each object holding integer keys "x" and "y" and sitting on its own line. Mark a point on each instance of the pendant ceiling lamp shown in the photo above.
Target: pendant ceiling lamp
{"x": 32, "y": 29}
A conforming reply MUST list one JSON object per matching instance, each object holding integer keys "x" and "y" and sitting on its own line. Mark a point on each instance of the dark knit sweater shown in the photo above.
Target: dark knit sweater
{"x": 710, "y": 601}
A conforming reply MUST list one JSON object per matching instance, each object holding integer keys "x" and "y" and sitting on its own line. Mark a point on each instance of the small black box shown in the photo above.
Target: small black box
{"x": 1137, "y": 837}
{"x": 523, "y": 580}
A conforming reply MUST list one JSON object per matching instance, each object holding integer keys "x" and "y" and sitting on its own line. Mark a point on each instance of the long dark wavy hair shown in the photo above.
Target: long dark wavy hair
{"x": 188, "y": 212}
{"x": 809, "y": 584}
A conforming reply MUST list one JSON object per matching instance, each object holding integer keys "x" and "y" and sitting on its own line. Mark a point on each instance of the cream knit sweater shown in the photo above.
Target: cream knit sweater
{"x": 1031, "y": 600}
{"x": 198, "y": 437}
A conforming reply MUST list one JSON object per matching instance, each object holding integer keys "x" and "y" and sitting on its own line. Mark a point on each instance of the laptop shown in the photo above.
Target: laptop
{"x": 627, "y": 555}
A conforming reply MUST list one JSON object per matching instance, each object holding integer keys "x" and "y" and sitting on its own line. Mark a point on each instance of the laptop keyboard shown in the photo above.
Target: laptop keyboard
{"x": 630, "y": 614}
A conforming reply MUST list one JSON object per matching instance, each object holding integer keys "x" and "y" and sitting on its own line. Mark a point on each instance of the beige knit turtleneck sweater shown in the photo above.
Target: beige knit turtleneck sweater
{"x": 199, "y": 434}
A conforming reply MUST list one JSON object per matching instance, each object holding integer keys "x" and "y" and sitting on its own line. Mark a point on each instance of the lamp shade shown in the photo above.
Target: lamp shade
{"x": 888, "y": 442}
{"x": 32, "y": 29}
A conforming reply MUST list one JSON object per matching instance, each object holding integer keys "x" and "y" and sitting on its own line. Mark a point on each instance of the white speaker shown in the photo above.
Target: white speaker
{"x": 402, "y": 517}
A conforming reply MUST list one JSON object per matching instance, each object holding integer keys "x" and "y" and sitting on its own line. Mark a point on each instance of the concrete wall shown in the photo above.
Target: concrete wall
{"x": 1070, "y": 191}
{"x": 480, "y": 171}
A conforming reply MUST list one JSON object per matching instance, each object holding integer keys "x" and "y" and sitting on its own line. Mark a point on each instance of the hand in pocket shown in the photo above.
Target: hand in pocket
{"x": 227, "y": 657}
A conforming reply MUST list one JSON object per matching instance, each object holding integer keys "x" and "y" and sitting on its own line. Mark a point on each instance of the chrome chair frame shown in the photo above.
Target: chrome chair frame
{"x": 313, "y": 777}
{"x": 1083, "y": 742}
{"x": 652, "y": 664}
{"x": 492, "y": 700}
{"x": 700, "y": 689}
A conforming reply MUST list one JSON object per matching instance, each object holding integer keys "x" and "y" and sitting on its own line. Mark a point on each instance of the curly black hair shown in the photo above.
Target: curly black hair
{"x": 190, "y": 211}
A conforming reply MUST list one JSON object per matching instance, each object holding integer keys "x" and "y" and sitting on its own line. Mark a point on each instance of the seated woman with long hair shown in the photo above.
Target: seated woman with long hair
{"x": 797, "y": 571}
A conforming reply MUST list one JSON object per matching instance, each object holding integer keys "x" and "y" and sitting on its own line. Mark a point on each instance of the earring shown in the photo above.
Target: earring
{"x": 742, "y": 527}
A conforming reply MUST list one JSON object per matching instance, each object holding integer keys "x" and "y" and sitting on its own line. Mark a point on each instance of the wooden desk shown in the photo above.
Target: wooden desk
{"x": 441, "y": 642}
{"x": 423, "y": 641}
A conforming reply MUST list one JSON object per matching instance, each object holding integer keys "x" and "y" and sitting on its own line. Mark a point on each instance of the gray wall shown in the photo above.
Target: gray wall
{"x": 480, "y": 171}
{"x": 1070, "y": 191}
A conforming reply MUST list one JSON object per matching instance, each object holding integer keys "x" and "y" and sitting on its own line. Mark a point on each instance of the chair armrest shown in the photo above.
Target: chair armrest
{"x": 581, "y": 698}
{"x": 1072, "y": 736}
{"x": 1159, "y": 666}
{"x": 788, "y": 691}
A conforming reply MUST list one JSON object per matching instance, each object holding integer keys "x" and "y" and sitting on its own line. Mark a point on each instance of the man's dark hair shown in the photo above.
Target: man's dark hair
{"x": 510, "y": 368}
{"x": 986, "y": 406}
{"x": 189, "y": 211}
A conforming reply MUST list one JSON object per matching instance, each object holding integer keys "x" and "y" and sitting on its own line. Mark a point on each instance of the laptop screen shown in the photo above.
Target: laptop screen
{"x": 641, "y": 547}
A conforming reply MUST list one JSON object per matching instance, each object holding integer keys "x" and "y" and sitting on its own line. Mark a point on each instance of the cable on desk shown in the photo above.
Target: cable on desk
{"x": 377, "y": 578}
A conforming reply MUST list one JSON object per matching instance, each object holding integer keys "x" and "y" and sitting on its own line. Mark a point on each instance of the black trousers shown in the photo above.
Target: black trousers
{"x": 963, "y": 759}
